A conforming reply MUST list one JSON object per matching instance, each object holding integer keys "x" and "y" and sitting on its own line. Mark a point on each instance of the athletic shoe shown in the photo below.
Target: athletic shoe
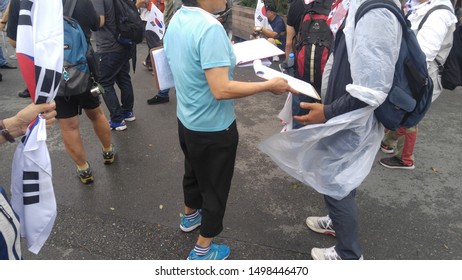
{"x": 276, "y": 58}
{"x": 86, "y": 176}
{"x": 216, "y": 252}
{"x": 109, "y": 156}
{"x": 158, "y": 100}
{"x": 118, "y": 125}
{"x": 321, "y": 225}
{"x": 328, "y": 254}
{"x": 129, "y": 116}
{"x": 395, "y": 163}
{"x": 24, "y": 94}
{"x": 387, "y": 149}
{"x": 188, "y": 226}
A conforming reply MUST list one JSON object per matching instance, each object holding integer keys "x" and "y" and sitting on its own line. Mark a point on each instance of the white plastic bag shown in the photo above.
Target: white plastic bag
{"x": 334, "y": 157}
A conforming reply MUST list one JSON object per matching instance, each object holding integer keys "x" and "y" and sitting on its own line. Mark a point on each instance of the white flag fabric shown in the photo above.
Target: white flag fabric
{"x": 260, "y": 15}
{"x": 155, "y": 21}
{"x": 33, "y": 198}
{"x": 40, "y": 50}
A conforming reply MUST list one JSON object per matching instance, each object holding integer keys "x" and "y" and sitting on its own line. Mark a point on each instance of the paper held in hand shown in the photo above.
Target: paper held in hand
{"x": 299, "y": 85}
{"x": 163, "y": 77}
{"x": 255, "y": 49}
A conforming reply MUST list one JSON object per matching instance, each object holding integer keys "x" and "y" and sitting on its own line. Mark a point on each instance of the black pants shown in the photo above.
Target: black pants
{"x": 209, "y": 167}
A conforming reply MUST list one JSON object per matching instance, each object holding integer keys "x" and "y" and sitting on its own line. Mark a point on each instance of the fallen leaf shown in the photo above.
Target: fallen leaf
{"x": 112, "y": 208}
{"x": 434, "y": 169}
{"x": 161, "y": 206}
{"x": 445, "y": 246}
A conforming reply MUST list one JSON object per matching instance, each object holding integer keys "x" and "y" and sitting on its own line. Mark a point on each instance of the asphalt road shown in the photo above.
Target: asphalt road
{"x": 133, "y": 209}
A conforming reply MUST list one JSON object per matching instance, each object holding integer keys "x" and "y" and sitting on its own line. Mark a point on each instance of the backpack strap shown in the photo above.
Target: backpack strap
{"x": 68, "y": 8}
{"x": 387, "y": 4}
{"x": 437, "y": 7}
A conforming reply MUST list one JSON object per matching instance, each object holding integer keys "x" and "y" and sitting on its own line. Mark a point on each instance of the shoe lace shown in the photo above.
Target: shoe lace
{"x": 325, "y": 222}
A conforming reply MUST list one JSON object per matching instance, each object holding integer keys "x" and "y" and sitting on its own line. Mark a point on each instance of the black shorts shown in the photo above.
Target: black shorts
{"x": 70, "y": 106}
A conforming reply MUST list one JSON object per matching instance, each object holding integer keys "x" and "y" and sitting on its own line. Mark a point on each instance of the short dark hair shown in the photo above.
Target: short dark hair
{"x": 270, "y": 5}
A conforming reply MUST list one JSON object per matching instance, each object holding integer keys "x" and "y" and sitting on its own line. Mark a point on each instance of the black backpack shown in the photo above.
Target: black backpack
{"x": 130, "y": 27}
{"x": 451, "y": 71}
{"x": 410, "y": 96}
{"x": 312, "y": 42}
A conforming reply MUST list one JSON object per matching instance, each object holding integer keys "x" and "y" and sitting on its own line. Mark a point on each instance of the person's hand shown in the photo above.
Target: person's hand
{"x": 280, "y": 86}
{"x": 24, "y": 117}
{"x": 316, "y": 114}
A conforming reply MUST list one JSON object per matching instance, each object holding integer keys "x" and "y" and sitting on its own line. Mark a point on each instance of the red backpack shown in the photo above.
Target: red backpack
{"x": 312, "y": 42}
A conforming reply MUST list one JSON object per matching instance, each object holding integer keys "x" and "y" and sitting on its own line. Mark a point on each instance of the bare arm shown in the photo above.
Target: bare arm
{"x": 269, "y": 33}
{"x": 17, "y": 125}
{"x": 223, "y": 88}
{"x": 289, "y": 39}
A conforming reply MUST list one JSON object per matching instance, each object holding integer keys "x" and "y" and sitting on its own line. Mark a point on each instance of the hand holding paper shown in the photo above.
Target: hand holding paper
{"x": 298, "y": 86}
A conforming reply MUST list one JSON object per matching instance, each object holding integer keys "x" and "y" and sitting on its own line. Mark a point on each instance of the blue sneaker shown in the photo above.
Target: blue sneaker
{"x": 216, "y": 252}
{"x": 129, "y": 116}
{"x": 188, "y": 226}
{"x": 118, "y": 125}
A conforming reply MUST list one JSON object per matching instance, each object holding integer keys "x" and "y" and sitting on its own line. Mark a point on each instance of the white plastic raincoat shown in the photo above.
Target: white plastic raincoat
{"x": 335, "y": 157}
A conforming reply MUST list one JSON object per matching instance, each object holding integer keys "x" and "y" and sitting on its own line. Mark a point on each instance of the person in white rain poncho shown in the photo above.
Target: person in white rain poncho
{"x": 335, "y": 151}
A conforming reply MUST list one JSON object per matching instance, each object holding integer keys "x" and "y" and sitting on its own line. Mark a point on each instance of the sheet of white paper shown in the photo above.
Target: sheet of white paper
{"x": 164, "y": 73}
{"x": 264, "y": 61}
{"x": 299, "y": 85}
{"x": 255, "y": 49}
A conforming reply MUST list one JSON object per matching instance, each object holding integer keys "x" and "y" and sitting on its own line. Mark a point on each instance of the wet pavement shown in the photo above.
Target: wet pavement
{"x": 132, "y": 211}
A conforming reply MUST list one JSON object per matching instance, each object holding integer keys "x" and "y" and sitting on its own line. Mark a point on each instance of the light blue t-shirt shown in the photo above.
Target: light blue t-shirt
{"x": 196, "y": 41}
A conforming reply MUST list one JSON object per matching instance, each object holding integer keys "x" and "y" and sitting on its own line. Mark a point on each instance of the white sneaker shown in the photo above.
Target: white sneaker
{"x": 275, "y": 58}
{"x": 327, "y": 254}
{"x": 321, "y": 225}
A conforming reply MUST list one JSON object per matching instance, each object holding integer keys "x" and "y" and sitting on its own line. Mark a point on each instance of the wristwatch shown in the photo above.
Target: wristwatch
{"x": 4, "y": 131}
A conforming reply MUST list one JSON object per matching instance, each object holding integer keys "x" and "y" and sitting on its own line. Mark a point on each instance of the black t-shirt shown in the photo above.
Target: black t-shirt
{"x": 295, "y": 13}
{"x": 13, "y": 17}
{"x": 84, "y": 14}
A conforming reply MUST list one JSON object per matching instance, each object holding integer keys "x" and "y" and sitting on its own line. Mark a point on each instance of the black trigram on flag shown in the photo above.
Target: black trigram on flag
{"x": 30, "y": 187}
{"x": 260, "y": 18}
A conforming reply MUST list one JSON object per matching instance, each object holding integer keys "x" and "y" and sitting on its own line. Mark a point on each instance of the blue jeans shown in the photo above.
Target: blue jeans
{"x": 2, "y": 58}
{"x": 114, "y": 67}
{"x": 344, "y": 215}
{"x": 163, "y": 93}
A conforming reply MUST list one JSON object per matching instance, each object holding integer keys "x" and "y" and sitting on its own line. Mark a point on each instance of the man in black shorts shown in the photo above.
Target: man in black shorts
{"x": 70, "y": 107}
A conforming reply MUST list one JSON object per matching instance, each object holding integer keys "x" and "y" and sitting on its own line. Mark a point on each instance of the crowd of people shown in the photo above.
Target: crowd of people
{"x": 202, "y": 61}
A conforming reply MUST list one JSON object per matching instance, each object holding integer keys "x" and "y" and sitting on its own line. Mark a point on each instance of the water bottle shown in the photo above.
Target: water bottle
{"x": 290, "y": 64}
{"x": 291, "y": 60}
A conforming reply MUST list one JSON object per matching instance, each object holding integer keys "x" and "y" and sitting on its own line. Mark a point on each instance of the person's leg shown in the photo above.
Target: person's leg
{"x": 2, "y": 58}
{"x": 72, "y": 141}
{"x": 100, "y": 126}
{"x": 124, "y": 82}
{"x": 406, "y": 143}
{"x": 389, "y": 141}
{"x": 211, "y": 157}
{"x": 109, "y": 62}
{"x": 161, "y": 97}
{"x": 153, "y": 41}
{"x": 344, "y": 215}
